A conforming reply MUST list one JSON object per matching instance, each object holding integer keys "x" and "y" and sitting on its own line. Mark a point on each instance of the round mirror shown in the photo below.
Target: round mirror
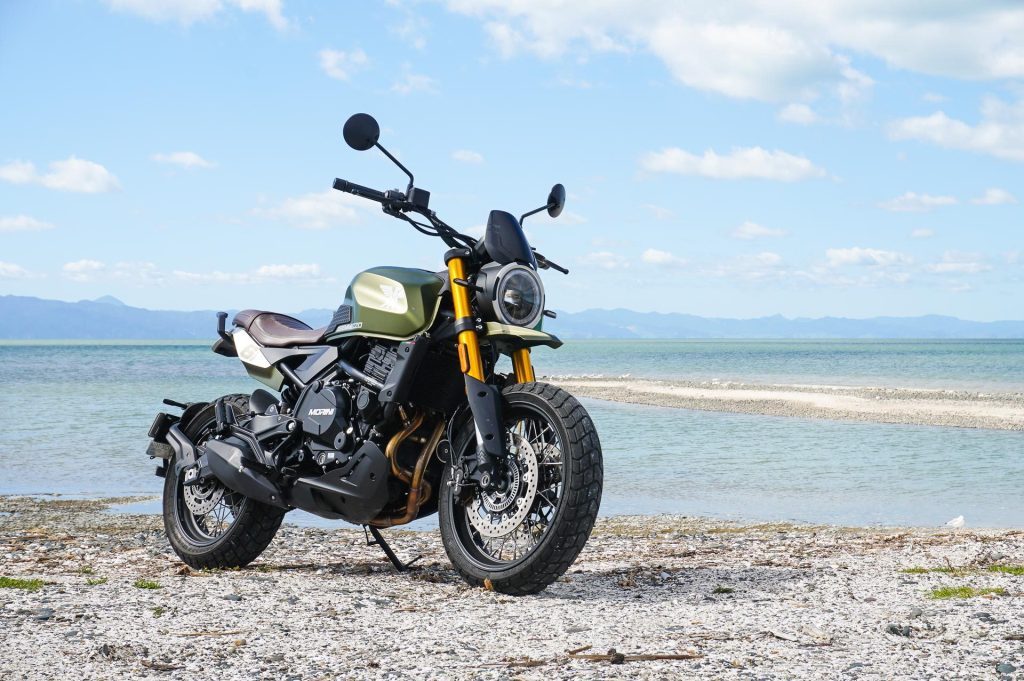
{"x": 361, "y": 131}
{"x": 556, "y": 200}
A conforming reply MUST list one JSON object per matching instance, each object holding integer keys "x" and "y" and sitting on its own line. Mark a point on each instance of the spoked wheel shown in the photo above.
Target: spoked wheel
{"x": 208, "y": 525}
{"x": 526, "y": 535}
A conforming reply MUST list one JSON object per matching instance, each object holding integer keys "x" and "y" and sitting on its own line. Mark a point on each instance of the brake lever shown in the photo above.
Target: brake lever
{"x": 546, "y": 264}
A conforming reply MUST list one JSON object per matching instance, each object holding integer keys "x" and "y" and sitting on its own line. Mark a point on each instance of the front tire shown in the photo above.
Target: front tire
{"x": 235, "y": 530}
{"x": 557, "y": 460}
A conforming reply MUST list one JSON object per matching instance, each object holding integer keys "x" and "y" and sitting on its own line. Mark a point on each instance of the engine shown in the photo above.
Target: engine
{"x": 338, "y": 416}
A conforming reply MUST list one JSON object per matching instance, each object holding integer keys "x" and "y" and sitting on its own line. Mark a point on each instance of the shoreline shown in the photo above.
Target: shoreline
{"x": 909, "y": 406}
{"x": 727, "y": 600}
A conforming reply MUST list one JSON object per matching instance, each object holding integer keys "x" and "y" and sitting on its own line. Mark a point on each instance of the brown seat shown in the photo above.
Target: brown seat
{"x": 276, "y": 330}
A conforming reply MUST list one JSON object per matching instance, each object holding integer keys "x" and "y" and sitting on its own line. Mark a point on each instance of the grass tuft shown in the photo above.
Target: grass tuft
{"x": 947, "y": 592}
{"x": 146, "y": 584}
{"x": 85, "y": 570}
{"x": 96, "y": 581}
{"x": 158, "y": 611}
{"x": 945, "y": 570}
{"x": 26, "y": 584}
{"x": 723, "y": 589}
{"x": 1015, "y": 570}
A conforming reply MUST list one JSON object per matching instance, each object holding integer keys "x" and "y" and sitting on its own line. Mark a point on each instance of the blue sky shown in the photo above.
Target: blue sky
{"x": 845, "y": 158}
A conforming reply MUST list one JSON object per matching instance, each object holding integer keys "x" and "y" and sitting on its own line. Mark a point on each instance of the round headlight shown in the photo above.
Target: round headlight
{"x": 519, "y": 296}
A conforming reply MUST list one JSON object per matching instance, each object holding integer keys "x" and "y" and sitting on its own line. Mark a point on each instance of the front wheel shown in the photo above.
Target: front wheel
{"x": 524, "y": 537}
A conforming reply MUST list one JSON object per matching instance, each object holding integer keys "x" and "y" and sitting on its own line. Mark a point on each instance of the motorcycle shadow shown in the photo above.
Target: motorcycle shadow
{"x": 665, "y": 583}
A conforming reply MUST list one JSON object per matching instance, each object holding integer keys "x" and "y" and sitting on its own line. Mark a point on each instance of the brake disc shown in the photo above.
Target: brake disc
{"x": 499, "y": 513}
{"x": 201, "y": 499}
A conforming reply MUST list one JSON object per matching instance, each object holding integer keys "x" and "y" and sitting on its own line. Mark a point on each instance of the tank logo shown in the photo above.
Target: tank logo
{"x": 342, "y": 328}
{"x": 321, "y": 412}
{"x": 393, "y": 299}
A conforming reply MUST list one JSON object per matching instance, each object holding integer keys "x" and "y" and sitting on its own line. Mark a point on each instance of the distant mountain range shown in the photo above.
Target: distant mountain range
{"x": 107, "y": 318}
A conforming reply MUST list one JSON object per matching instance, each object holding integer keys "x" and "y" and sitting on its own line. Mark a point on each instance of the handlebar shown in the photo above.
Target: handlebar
{"x": 359, "y": 190}
{"x": 395, "y": 203}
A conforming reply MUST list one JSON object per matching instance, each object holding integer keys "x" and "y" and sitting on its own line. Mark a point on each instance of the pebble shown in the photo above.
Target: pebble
{"x": 43, "y": 614}
{"x": 1005, "y": 668}
{"x": 915, "y": 613}
{"x": 898, "y": 630}
{"x": 232, "y": 597}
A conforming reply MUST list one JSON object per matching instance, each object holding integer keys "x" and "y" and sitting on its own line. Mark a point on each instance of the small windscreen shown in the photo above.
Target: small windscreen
{"x": 505, "y": 241}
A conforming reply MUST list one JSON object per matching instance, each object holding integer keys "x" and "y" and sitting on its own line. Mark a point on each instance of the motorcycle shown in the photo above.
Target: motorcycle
{"x": 398, "y": 409}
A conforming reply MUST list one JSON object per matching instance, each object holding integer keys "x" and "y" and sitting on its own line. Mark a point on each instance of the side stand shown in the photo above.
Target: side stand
{"x": 378, "y": 540}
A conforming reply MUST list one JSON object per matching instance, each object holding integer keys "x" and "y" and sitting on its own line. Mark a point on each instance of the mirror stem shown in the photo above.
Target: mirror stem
{"x": 532, "y": 212}
{"x": 398, "y": 163}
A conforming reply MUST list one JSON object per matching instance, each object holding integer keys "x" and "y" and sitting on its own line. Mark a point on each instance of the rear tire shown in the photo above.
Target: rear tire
{"x": 252, "y": 526}
{"x": 564, "y": 525}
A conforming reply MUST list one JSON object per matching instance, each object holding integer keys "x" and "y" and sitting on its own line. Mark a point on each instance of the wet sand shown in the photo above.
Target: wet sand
{"x": 957, "y": 408}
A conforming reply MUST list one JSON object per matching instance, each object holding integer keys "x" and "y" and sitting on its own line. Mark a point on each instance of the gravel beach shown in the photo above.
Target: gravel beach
{"x": 714, "y": 599}
{"x": 957, "y": 408}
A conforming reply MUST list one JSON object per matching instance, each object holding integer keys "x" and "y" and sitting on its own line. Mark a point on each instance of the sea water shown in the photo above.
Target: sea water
{"x": 74, "y": 417}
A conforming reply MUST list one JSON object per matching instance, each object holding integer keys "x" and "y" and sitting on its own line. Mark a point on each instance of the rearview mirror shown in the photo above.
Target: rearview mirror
{"x": 556, "y": 200}
{"x": 361, "y": 131}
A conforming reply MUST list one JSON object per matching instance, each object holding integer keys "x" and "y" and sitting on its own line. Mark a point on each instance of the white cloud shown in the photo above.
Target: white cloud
{"x": 138, "y": 271}
{"x": 911, "y": 202}
{"x": 18, "y": 172}
{"x": 467, "y": 156}
{"x": 800, "y": 114}
{"x": 994, "y": 197}
{"x": 413, "y": 82}
{"x": 183, "y": 159}
{"x": 751, "y": 230}
{"x": 605, "y": 260}
{"x": 790, "y": 50}
{"x": 1000, "y": 132}
{"x": 187, "y": 12}
{"x": 305, "y": 273}
{"x": 71, "y": 175}
{"x": 841, "y": 257}
{"x": 653, "y": 256}
{"x": 83, "y": 270}
{"x": 922, "y": 233}
{"x": 933, "y": 97}
{"x": 740, "y": 163}
{"x": 341, "y": 65}
{"x": 954, "y": 262}
{"x": 659, "y": 212}
{"x": 750, "y": 267}
{"x": 22, "y": 223}
{"x": 318, "y": 210}
{"x": 8, "y": 270}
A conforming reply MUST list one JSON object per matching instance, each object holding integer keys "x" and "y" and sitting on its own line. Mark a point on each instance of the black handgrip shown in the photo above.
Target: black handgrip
{"x": 359, "y": 190}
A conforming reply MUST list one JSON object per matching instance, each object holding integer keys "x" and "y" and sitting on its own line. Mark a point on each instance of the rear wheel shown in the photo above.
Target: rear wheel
{"x": 208, "y": 525}
{"x": 523, "y": 538}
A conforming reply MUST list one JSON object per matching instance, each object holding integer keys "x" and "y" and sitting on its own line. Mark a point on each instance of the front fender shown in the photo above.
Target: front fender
{"x": 516, "y": 337}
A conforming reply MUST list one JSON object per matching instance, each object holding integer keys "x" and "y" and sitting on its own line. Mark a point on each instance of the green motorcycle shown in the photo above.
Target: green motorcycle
{"x": 394, "y": 411}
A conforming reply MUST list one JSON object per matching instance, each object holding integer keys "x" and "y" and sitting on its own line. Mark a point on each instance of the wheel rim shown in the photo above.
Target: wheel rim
{"x": 204, "y": 513}
{"x": 488, "y": 528}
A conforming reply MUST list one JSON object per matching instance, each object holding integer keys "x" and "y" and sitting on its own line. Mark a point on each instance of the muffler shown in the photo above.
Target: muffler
{"x": 232, "y": 461}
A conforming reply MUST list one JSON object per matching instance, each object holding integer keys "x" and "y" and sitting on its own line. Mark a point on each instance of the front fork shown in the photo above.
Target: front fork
{"x": 484, "y": 399}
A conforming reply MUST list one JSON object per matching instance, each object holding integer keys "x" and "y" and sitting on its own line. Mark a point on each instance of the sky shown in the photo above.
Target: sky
{"x": 851, "y": 158}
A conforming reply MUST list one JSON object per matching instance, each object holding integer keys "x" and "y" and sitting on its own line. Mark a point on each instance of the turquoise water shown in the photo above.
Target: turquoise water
{"x": 73, "y": 420}
{"x": 971, "y": 365}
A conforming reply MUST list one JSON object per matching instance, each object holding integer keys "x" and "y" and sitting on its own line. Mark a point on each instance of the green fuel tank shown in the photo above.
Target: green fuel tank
{"x": 387, "y": 302}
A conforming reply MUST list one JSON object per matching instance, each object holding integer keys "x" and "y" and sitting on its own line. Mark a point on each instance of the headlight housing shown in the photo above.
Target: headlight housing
{"x": 513, "y": 293}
